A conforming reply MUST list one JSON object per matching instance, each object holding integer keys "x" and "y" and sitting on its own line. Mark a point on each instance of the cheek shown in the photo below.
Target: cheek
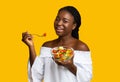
{"x": 69, "y": 26}
{"x": 55, "y": 23}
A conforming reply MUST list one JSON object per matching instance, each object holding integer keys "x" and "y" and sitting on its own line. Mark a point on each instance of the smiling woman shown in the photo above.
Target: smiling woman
{"x": 69, "y": 17}
{"x": 64, "y": 23}
{"x": 45, "y": 67}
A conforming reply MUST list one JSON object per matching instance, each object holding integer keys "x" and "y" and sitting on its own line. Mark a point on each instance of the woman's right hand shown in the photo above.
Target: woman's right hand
{"x": 27, "y": 39}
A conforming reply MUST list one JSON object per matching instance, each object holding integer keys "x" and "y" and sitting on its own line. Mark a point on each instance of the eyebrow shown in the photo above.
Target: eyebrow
{"x": 66, "y": 19}
{"x": 63, "y": 18}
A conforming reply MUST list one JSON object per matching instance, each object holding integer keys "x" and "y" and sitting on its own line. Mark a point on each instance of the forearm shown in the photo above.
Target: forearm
{"x": 32, "y": 55}
{"x": 72, "y": 68}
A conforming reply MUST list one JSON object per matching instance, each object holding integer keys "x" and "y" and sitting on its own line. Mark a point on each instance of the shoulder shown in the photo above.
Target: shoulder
{"x": 82, "y": 46}
{"x": 47, "y": 44}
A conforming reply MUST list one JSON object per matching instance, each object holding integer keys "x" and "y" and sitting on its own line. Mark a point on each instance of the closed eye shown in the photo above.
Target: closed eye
{"x": 65, "y": 20}
{"x": 57, "y": 19}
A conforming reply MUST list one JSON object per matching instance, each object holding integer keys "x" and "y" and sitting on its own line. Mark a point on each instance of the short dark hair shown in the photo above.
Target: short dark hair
{"x": 77, "y": 19}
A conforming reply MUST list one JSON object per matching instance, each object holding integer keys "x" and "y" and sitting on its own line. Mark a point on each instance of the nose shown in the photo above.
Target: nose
{"x": 59, "y": 22}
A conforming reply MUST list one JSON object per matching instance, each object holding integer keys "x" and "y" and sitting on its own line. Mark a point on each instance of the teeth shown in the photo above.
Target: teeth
{"x": 59, "y": 28}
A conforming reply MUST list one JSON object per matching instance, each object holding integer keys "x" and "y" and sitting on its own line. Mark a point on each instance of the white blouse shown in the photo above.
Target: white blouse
{"x": 44, "y": 68}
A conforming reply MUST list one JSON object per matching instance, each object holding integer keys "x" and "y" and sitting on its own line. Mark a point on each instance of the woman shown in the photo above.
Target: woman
{"x": 44, "y": 67}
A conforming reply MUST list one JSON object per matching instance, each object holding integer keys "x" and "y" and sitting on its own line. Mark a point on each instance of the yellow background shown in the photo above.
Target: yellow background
{"x": 100, "y": 29}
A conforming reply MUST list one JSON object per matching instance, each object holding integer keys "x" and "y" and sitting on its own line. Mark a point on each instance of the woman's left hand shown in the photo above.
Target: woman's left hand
{"x": 68, "y": 64}
{"x": 65, "y": 63}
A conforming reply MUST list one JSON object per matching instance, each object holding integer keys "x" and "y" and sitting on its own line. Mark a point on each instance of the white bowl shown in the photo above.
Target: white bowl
{"x": 62, "y": 53}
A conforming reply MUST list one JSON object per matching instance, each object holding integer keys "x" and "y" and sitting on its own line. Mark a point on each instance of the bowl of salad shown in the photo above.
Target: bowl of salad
{"x": 62, "y": 53}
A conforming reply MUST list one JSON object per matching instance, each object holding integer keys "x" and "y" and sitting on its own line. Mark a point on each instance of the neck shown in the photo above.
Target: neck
{"x": 65, "y": 40}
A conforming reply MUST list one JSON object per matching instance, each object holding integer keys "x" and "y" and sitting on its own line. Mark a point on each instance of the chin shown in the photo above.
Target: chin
{"x": 59, "y": 34}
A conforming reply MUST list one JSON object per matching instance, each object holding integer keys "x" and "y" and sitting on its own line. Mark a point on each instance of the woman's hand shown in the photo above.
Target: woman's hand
{"x": 27, "y": 39}
{"x": 68, "y": 64}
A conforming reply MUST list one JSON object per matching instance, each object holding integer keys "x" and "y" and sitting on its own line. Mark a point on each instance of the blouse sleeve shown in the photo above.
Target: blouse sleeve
{"x": 35, "y": 73}
{"x": 82, "y": 61}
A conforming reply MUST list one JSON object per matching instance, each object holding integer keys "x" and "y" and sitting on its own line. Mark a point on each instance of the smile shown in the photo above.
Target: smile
{"x": 59, "y": 29}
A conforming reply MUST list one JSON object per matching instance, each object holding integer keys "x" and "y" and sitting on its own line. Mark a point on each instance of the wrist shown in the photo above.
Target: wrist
{"x": 31, "y": 46}
{"x": 71, "y": 67}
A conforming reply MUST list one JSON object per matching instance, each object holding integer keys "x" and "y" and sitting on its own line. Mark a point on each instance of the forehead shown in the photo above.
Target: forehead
{"x": 65, "y": 14}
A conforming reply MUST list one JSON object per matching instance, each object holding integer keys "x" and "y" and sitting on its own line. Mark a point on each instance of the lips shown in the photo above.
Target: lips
{"x": 59, "y": 29}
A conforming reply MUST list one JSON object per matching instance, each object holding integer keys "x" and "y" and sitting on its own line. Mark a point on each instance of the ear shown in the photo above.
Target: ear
{"x": 74, "y": 26}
